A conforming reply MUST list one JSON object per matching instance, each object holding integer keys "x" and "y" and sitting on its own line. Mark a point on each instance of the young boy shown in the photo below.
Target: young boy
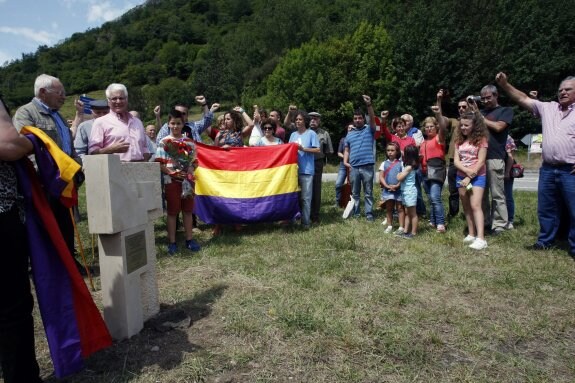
{"x": 176, "y": 154}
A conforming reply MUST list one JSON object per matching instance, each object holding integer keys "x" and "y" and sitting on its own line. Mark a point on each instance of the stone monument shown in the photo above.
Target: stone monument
{"x": 123, "y": 200}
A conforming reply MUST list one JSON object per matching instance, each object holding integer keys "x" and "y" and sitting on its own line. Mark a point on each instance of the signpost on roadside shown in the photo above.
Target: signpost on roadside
{"x": 534, "y": 143}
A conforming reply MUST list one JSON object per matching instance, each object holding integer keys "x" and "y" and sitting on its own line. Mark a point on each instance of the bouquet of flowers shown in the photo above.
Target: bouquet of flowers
{"x": 182, "y": 154}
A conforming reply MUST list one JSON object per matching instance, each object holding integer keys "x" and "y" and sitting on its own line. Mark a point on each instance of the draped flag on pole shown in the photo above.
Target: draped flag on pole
{"x": 74, "y": 326}
{"x": 246, "y": 185}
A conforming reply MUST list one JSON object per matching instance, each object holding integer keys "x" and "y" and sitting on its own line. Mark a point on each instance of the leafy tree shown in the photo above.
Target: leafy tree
{"x": 324, "y": 76}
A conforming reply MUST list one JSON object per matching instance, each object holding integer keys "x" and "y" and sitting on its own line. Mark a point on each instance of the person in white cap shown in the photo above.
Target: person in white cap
{"x": 325, "y": 147}
{"x": 99, "y": 108}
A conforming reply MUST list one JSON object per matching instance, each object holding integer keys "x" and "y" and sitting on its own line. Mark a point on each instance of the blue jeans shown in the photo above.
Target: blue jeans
{"x": 555, "y": 192}
{"x": 420, "y": 207}
{"x": 433, "y": 190}
{"x": 341, "y": 175}
{"x": 508, "y": 184}
{"x": 306, "y": 185}
{"x": 362, "y": 176}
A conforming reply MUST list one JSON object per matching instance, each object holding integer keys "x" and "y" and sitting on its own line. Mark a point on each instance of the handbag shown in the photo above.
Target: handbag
{"x": 436, "y": 169}
{"x": 517, "y": 170}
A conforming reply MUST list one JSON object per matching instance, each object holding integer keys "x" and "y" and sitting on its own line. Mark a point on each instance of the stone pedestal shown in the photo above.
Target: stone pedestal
{"x": 123, "y": 200}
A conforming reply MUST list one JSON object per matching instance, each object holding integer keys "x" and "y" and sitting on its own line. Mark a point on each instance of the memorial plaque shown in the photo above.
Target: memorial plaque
{"x": 136, "y": 255}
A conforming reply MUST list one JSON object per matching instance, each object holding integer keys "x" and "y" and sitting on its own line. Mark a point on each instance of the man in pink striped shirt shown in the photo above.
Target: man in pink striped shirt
{"x": 557, "y": 174}
{"x": 118, "y": 132}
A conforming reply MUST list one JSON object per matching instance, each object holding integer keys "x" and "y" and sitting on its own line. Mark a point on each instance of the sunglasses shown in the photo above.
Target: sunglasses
{"x": 267, "y": 127}
{"x": 462, "y": 107}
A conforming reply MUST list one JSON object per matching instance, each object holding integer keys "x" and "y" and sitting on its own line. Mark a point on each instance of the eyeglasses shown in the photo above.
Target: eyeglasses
{"x": 116, "y": 99}
{"x": 267, "y": 127}
{"x": 461, "y": 106}
{"x": 61, "y": 93}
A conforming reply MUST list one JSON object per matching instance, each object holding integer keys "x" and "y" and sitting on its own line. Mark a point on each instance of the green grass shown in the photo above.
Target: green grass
{"x": 344, "y": 302}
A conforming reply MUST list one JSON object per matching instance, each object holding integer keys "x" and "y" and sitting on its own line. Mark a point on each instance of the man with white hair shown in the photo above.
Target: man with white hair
{"x": 118, "y": 132}
{"x": 417, "y": 135}
{"x": 557, "y": 173}
{"x": 42, "y": 112}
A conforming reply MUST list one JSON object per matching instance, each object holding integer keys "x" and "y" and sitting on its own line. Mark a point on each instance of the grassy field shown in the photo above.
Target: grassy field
{"x": 344, "y": 302}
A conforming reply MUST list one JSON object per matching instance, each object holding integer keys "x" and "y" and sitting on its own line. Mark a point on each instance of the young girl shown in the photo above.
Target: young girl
{"x": 390, "y": 185}
{"x": 470, "y": 152}
{"x": 173, "y": 164}
{"x": 409, "y": 190}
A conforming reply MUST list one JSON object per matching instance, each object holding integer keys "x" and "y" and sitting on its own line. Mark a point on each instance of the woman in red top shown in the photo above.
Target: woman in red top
{"x": 433, "y": 149}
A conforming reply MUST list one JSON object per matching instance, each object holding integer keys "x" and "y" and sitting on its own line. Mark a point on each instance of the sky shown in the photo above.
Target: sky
{"x": 27, "y": 24}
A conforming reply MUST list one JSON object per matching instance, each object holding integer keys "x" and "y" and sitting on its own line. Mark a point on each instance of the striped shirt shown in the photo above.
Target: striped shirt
{"x": 558, "y": 132}
{"x": 360, "y": 144}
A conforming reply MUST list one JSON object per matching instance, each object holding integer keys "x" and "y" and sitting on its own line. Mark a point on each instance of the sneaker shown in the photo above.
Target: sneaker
{"x": 192, "y": 245}
{"x": 509, "y": 226}
{"x": 369, "y": 218}
{"x": 469, "y": 239}
{"x": 399, "y": 232}
{"x": 384, "y": 222}
{"x": 172, "y": 248}
{"x": 478, "y": 244}
{"x": 407, "y": 236}
{"x": 388, "y": 230}
{"x": 441, "y": 228}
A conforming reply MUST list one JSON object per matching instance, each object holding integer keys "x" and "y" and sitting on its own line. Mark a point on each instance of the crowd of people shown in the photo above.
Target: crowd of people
{"x": 476, "y": 144}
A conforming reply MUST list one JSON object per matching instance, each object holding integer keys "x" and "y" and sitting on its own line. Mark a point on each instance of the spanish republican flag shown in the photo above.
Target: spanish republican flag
{"x": 246, "y": 185}
{"x": 73, "y": 324}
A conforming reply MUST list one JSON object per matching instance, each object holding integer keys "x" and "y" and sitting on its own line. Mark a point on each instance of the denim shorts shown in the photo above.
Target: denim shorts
{"x": 478, "y": 181}
{"x": 387, "y": 195}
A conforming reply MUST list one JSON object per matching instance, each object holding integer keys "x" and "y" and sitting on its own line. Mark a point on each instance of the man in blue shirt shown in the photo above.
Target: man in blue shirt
{"x": 308, "y": 144}
{"x": 359, "y": 157}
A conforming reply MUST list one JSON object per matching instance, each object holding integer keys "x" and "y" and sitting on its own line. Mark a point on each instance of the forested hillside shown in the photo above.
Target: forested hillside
{"x": 318, "y": 54}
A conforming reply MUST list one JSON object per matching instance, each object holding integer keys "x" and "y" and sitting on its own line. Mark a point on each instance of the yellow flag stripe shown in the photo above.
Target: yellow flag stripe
{"x": 246, "y": 184}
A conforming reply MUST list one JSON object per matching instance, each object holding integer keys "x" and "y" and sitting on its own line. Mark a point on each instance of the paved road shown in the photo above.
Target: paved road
{"x": 527, "y": 183}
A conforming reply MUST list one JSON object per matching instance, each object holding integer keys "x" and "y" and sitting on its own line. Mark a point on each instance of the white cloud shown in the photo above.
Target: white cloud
{"x": 40, "y": 37}
{"x": 105, "y": 11}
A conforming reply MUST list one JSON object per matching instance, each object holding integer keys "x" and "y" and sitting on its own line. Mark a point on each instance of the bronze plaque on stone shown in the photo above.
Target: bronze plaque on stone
{"x": 136, "y": 255}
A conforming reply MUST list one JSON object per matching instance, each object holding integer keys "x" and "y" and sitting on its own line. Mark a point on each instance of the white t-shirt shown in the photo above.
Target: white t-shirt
{"x": 255, "y": 135}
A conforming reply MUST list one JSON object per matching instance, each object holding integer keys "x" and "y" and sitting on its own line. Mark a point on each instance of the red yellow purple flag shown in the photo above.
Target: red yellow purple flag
{"x": 247, "y": 184}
